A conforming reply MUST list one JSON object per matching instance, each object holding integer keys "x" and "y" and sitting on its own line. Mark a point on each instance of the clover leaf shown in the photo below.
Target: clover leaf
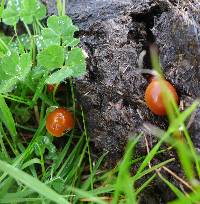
{"x": 4, "y": 42}
{"x": 11, "y": 14}
{"x": 76, "y": 61}
{"x": 44, "y": 143}
{"x": 71, "y": 41}
{"x": 24, "y": 66}
{"x": 74, "y": 67}
{"x": 51, "y": 57}
{"x": 62, "y": 25}
{"x": 27, "y": 10}
{"x": 60, "y": 31}
{"x": 32, "y": 9}
{"x": 52, "y": 46}
{"x": 59, "y": 75}
{"x": 13, "y": 68}
{"x": 8, "y": 66}
{"x": 23, "y": 42}
{"x": 48, "y": 37}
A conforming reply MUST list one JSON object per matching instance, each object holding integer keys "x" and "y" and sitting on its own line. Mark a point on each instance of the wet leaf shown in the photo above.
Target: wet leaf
{"x": 60, "y": 29}
{"x": 44, "y": 143}
{"x": 32, "y": 9}
{"x": 48, "y": 38}
{"x": 76, "y": 61}
{"x": 13, "y": 68}
{"x": 71, "y": 41}
{"x": 24, "y": 66}
{"x": 62, "y": 25}
{"x": 59, "y": 76}
{"x": 23, "y": 42}
{"x": 51, "y": 57}
{"x": 11, "y": 14}
{"x": 8, "y": 66}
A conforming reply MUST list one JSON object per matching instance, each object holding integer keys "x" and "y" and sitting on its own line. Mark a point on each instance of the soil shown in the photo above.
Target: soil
{"x": 114, "y": 33}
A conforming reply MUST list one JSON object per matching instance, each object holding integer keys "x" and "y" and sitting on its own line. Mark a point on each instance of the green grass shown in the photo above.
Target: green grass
{"x": 37, "y": 168}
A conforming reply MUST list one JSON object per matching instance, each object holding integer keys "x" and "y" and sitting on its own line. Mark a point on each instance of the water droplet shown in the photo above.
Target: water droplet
{"x": 18, "y": 68}
{"x": 53, "y": 149}
{"x": 17, "y": 5}
{"x": 9, "y": 53}
{"x": 61, "y": 22}
{"x": 46, "y": 140}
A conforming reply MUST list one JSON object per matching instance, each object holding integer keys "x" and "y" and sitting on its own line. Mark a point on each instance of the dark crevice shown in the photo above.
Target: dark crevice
{"x": 9, "y": 30}
{"x": 147, "y": 19}
{"x": 94, "y": 74}
{"x": 92, "y": 67}
{"x": 81, "y": 33}
{"x": 135, "y": 35}
{"x": 126, "y": 102}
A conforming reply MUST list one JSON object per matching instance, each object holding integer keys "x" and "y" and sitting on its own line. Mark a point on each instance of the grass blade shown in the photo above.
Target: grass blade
{"x": 153, "y": 168}
{"x": 85, "y": 194}
{"x": 32, "y": 183}
{"x": 178, "y": 193}
{"x": 145, "y": 184}
{"x": 7, "y": 118}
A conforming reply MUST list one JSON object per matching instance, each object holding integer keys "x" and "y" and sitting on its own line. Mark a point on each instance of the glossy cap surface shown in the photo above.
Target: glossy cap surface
{"x": 154, "y": 96}
{"x": 59, "y": 121}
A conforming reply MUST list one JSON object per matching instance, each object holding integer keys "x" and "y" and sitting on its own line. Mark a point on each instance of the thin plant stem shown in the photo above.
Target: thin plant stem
{"x": 7, "y": 140}
{"x": 88, "y": 147}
